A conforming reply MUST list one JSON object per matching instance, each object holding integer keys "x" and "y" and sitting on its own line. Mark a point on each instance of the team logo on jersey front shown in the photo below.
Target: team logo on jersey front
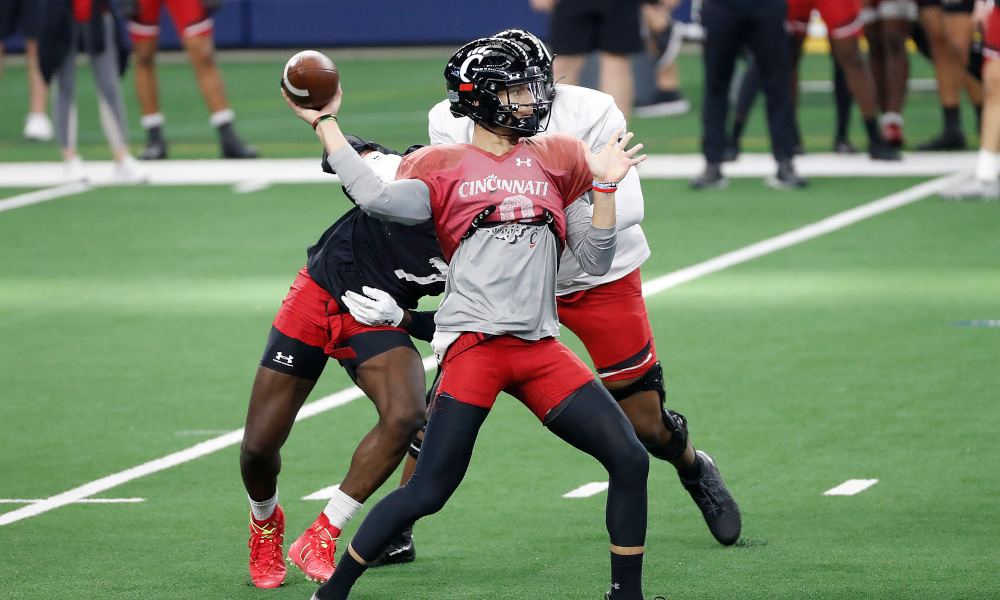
{"x": 491, "y": 184}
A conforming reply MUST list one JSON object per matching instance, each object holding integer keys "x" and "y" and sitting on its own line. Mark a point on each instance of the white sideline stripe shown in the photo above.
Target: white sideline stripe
{"x": 851, "y": 487}
{"x": 657, "y": 166}
{"x": 324, "y": 494}
{"x": 81, "y": 501}
{"x": 42, "y": 195}
{"x": 654, "y": 286}
{"x": 587, "y": 490}
{"x": 802, "y": 234}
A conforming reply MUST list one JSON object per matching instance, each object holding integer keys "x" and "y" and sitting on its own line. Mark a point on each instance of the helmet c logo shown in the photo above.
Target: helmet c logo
{"x": 468, "y": 63}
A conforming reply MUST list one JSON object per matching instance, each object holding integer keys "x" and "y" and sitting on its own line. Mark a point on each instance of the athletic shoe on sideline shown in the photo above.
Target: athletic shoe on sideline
{"x": 666, "y": 103}
{"x": 879, "y": 149}
{"x": 948, "y": 140}
{"x": 38, "y": 126}
{"x": 74, "y": 169}
{"x": 893, "y": 133}
{"x": 716, "y": 503}
{"x": 267, "y": 562}
{"x": 154, "y": 150}
{"x": 732, "y": 150}
{"x": 127, "y": 172}
{"x": 843, "y": 146}
{"x": 400, "y": 551}
{"x": 313, "y": 552}
{"x": 786, "y": 178}
{"x": 974, "y": 189}
{"x": 710, "y": 179}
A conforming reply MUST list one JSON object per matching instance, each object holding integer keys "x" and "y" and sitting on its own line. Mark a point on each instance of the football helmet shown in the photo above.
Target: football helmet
{"x": 539, "y": 54}
{"x": 478, "y": 77}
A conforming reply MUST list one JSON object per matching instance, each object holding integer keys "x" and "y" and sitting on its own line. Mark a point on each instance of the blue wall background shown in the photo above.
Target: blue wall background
{"x": 339, "y": 23}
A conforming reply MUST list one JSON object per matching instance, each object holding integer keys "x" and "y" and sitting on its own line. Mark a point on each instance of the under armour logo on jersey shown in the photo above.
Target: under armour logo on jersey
{"x": 526, "y": 162}
{"x": 284, "y": 359}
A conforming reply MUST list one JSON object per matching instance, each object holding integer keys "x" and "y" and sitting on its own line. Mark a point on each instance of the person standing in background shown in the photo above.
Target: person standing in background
{"x": 612, "y": 29}
{"x": 887, "y": 27}
{"x": 193, "y": 20}
{"x": 985, "y": 185}
{"x": 758, "y": 25}
{"x": 24, "y": 14}
{"x": 91, "y": 26}
{"x": 663, "y": 41}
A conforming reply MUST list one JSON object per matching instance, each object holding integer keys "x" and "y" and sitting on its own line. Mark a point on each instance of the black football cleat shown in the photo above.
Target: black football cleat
{"x": 156, "y": 145}
{"x": 710, "y": 179}
{"x": 880, "y": 149}
{"x": 948, "y": 140}
{"x": 400, "y": 551}
{"x": 731, "y": 151}
{"x": 786, "y": 178}
{"x": 231, "y": 144}
{"x": 843, "y": 146}
{"x": 717, "y": 505}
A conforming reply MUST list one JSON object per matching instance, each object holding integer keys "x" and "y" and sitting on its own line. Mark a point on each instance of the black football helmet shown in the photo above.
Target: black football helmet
{"x": 477, "y": 79}
{"x": 540, "y": 56}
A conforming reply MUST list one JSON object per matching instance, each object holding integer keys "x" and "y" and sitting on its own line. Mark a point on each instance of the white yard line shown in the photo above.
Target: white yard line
{"x": 851, "y": 487}
{"x": 81, "y": 501}
{"x": 587, "y": 490}
{"x": 655, "y": 286}
{"x": 42, "y": 195}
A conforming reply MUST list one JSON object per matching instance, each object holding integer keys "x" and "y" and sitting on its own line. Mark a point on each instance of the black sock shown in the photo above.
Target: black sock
{"x": 154, "y": 136}
{"x": 842, "y": 96}
{"x": 871, "y": 126}
{"x": 694, "y": 471}
{"x": 340, "y": 584}
{"x": 738, "y": 124}
{"x": 952, "y": 118}
{"x": 626, "y": 576}
{"x": 979, "y": 117}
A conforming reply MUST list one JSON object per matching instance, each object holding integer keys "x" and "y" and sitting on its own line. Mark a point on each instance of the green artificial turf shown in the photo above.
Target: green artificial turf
{"x": 132, "y": 320}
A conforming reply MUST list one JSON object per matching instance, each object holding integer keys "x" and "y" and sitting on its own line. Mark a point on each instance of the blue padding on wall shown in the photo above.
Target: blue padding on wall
{"x": 303, "y": 23}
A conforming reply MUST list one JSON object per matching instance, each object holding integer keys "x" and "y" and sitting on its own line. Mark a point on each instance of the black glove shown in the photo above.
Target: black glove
{"x": 129, "y": 8}
{"x": 211, "y": 6}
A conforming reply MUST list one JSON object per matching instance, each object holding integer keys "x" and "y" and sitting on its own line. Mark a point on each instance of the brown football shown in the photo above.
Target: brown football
{"x": 310, "y": 79}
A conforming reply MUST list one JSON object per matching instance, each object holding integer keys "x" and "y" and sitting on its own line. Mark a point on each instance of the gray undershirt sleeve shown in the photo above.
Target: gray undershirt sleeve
{"x": 406, "y": 201}
{"x": 593, "y": 247}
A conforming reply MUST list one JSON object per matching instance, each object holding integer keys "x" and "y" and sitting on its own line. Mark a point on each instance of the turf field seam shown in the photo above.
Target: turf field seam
{"x": 654, "y": 286}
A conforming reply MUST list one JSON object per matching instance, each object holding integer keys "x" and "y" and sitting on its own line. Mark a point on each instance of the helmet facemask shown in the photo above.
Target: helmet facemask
{"x": 504, "y": 102}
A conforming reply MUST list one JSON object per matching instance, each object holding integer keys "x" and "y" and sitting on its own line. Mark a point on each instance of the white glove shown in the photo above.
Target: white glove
{"x": 375, "y": 309}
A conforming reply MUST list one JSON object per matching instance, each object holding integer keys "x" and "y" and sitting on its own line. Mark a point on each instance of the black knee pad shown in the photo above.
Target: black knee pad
{"x": 414, "y": 449}
{"x": 652, "y": 380}
{"x": 676, "y": 424}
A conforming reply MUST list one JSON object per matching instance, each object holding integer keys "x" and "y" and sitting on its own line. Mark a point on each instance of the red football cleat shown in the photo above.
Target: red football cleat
{"x": 267, "y": 562}
{"x": 313, "y": 551}
{"x": 893, "y": 134}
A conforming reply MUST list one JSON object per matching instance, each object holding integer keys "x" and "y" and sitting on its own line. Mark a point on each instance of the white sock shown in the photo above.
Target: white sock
{"x": 262, "y": 511}
{"x": 341, "y": 508}
{"x": 153, "y": 120}
{"x": 891, "y": 118}
{"x": 222, "y": 117}
{"x": 986, "y": 166}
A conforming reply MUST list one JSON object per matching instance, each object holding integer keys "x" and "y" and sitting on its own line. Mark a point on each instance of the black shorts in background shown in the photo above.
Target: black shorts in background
{"x": 583, "y": 26}
{"x": 19, "y": 15}
{"x": 958, "y": 6}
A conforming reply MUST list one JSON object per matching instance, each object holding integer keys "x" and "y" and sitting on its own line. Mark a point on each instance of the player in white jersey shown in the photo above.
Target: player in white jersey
{"x": 497, "y": 322}
{"x": 622, "y": 349}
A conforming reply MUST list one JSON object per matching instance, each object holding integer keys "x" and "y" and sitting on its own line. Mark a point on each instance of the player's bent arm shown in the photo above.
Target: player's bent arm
{"x": 592, "y": 246}
{"x": 407, "y": 201}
